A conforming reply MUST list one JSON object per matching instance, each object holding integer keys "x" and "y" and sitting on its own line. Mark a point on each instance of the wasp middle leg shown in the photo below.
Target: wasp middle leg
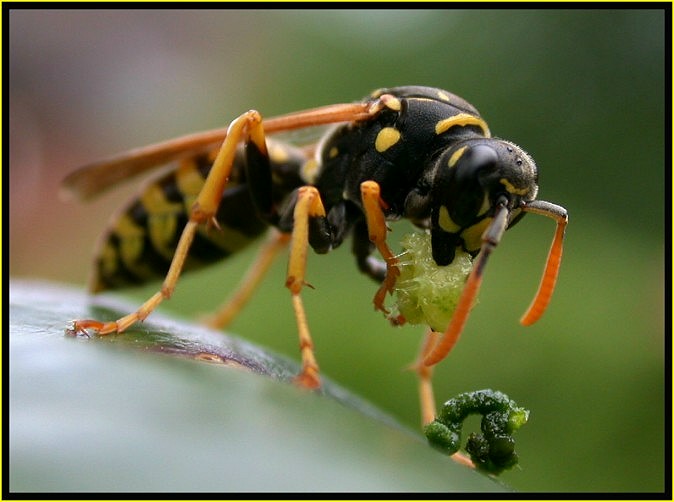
{"x": 276, "y": 242}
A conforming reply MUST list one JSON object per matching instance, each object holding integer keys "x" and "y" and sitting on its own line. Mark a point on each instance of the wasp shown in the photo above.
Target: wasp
{"x": 412, "y": 152}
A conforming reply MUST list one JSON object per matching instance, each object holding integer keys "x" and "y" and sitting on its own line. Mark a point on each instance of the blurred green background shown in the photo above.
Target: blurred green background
{"x": 583, "y": 91}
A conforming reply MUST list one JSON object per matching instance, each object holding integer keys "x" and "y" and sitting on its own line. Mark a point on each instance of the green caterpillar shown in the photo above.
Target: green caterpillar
{"x": 427, "y": 293}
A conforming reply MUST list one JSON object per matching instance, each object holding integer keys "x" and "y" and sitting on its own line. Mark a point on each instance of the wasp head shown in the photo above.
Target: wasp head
{"x": 470, "y": 180}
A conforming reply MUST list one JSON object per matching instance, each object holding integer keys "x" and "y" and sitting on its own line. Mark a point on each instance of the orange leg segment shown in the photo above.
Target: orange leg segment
{"x": 276, "y": 243}
{"x": 426, "y": 394}
{"x": 123, "y": 323}
{"x": 246, "y": 127}
{"x": 425, "y": 375}
{"x": 549, "y": 279}
{"x": 490, "y": 239}
{"x": 308, "y": 206}
{"x": 374, "y": 207}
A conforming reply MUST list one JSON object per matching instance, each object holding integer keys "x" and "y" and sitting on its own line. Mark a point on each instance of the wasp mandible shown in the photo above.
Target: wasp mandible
{"x": 410, "y": 152}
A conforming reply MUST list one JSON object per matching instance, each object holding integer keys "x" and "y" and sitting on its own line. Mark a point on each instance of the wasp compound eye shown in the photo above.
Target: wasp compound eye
{"x": 478, "y": 159}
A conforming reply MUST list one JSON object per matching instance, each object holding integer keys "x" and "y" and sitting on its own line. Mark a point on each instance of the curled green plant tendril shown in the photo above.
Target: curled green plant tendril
{"x": 493, "y": 450}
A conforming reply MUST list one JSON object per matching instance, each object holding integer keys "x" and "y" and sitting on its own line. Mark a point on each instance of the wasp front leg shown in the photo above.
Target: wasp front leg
{"x": 374, "y": 207}
{"x": 247, "y": 127}
{"x": 309, "y": 225}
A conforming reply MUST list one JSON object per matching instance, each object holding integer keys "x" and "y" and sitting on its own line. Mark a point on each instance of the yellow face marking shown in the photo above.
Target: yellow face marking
{"x": 511, "y": 188}
{"x": 445, "y": 221}
{"x": 456, "y": 156}
{"x": 472, "y": 236}
{"x": 462, "y": 120}
{"x": 334, "y": 151}
{"x": 386, "y": 138}
{"x": 486, "y": 205}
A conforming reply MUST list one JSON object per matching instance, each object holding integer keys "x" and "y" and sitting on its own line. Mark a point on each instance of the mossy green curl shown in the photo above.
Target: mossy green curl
{"x": 493, "y": 450}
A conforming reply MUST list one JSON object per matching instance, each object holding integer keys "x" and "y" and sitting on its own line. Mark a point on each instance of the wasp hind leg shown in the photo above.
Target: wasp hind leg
{"x": 247, "y": 127}
{"x": 308, "y": 212}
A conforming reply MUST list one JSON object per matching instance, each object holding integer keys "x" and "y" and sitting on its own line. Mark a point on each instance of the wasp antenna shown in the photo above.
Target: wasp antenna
{"x": 451, "y": 335}
{"x": 549, "y": 278}
{"x": 490, "y": 239}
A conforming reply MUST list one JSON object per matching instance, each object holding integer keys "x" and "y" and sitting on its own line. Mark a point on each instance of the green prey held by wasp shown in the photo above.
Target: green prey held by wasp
{"x": 410, "y": 152}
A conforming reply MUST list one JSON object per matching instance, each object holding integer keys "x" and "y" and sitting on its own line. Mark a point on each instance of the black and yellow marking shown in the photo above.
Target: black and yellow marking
{"x": 456, "y": 156}
{"x": 143, "y": 238}
{"x": 462, "y": 120}
{"x": 386, "y": 138}
{"x": 410, "y": 152}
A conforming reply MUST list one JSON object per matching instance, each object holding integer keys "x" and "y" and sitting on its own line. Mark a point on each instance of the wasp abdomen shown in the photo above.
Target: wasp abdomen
{"x": 142, "y": 238}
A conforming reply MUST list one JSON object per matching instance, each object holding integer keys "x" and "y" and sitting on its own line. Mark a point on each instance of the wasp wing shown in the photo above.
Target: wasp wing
{"x": 93, "y": 179}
